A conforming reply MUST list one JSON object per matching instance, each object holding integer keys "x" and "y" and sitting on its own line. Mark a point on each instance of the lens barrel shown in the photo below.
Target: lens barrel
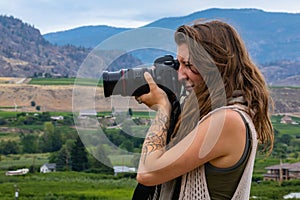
{"x": 131, "y": 82}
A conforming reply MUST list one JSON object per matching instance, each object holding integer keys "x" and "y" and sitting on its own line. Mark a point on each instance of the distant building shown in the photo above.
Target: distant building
{"x": 88, "y": 119}
{"x": 48, "y": 167}
{"x": 17, "y": 172}
{"x": 87, "y": 113}
{"x": 284, "y": 171}
{"x": 293, "y": 195}
{"x": 57, "y": 118}
{"x": 120, "y": 169}
{"x": 287, "y": 120}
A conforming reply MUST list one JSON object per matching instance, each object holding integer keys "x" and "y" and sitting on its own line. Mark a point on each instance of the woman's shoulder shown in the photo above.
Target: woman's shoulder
{"x": 224, "y": 128}
{"x": 226, "y": 114}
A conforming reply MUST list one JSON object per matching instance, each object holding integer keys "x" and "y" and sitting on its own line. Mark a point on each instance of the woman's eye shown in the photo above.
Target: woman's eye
{"x": 192, "y": 68}
{"x": 188, "y": 65}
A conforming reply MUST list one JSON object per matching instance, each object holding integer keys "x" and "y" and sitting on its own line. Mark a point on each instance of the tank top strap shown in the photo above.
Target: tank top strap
{"x": 238, "y": 107}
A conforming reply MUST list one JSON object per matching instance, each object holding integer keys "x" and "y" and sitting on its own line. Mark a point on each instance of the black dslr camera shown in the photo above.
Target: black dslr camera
{"x": 131, "y": 82}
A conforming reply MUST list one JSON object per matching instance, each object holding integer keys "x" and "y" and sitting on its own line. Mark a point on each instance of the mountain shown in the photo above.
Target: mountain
{"x": 282, "y": 73}
{"x": 24, "y": 52}
{"x": 272, "y": 38}
{"x": 87, "y": 36}
{"x": 269, "y": 36}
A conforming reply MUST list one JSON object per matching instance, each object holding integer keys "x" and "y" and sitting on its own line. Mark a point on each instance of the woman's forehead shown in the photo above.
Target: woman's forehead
{"x": 183, "y": 52}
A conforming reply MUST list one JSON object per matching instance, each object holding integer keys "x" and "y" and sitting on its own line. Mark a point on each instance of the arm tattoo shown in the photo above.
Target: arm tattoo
{"x": 157, "y": 134}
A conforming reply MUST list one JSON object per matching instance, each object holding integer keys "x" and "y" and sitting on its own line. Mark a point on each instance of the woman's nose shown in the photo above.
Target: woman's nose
{"x": 181, "y": 73}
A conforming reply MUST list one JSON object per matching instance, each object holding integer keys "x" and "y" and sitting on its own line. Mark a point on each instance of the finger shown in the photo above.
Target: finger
{"x": 149, "y": 79}
{"x": 139, "y": 99}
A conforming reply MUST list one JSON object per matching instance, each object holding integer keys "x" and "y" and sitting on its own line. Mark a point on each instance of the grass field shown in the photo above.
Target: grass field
{"x": 64, "y": 81}
{"x": 23, "y": 160}
{"x": 7, "y": 114}
{"x": 66, "y": 185}
{"x": 89, "y": 186}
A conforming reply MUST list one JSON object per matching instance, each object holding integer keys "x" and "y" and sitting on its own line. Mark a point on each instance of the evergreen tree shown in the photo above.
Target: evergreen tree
{"x": 29, "y": 143}
{"x": 79, "y": 156}
{"x": 62, "y": 158}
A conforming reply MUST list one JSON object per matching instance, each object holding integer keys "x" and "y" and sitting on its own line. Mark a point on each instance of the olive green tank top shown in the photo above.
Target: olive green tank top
{"x": 222, "y": 182}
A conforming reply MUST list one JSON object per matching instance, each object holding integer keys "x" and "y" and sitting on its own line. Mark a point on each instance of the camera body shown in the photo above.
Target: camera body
{"x": 131, "y": 82}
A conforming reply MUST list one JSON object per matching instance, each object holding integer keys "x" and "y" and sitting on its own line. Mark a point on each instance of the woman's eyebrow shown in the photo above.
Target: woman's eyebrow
{"x": 187, "y": 63}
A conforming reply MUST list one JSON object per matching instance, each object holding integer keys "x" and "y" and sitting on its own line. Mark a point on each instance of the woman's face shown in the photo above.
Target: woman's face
{"x": 187, "y": 73}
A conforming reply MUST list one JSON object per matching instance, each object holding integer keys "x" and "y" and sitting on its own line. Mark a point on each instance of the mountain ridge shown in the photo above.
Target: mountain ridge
{"x": 24, "y": 52}
{"x": 262, "y": 31}
{"x": 272, "y": 38}
{"x": 89, "y": 31}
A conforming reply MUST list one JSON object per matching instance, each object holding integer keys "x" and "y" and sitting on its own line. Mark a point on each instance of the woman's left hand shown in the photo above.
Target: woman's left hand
{"x": 156, "y": 98}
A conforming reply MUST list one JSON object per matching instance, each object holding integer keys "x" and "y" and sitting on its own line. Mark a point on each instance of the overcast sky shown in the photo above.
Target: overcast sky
{"x": 57, "y": 15}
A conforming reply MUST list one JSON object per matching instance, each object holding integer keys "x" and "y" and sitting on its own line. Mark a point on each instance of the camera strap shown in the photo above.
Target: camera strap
{"x": 142, "y": 192}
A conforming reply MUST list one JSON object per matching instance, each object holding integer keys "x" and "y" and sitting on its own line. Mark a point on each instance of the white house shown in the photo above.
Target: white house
{"x": 120, "y": 169}
{"x": 48, "y": 167}
{"x": 293, "y": 195}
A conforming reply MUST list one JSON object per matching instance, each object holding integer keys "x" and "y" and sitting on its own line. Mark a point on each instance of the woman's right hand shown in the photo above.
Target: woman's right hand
{"x": 156, "y": 98}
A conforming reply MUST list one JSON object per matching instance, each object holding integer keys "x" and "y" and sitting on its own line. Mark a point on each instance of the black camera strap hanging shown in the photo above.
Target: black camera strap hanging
{"x": 143, "y": 192}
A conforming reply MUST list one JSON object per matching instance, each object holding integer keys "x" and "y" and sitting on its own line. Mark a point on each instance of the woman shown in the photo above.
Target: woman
{"x": 225, "y": 115}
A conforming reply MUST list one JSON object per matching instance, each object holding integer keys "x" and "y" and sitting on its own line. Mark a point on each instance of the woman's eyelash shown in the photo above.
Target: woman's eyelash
{"x": 188, "y": 64}
{"x": 191, "y": 67}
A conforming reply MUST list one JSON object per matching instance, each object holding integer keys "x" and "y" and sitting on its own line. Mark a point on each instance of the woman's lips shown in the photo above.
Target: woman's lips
{"x": 188, "y": 87}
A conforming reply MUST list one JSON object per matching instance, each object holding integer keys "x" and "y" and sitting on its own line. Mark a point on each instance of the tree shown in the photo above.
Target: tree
{"x": 281, "y": 151}
{"x": 130, "y": 113}
{"x": 45, "y": 116}
{"x": 9, "y": 147}
{"x": 99, "y": 162}
{"x": 51, "y": 139}
{"x": 2, "y": 121}
{"x": 29, "y": 143}
{"x": 286, "y": 139}
{"x": 38, "y": 108}
{"x": 62, "y": 158}
{"x": 32, "y": 103}
{"x": 128, "y": 145}
{"x": 79, "y": 156}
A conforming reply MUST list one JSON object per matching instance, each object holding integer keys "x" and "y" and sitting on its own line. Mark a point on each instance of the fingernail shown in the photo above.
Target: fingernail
{"x": 147, "y": 75}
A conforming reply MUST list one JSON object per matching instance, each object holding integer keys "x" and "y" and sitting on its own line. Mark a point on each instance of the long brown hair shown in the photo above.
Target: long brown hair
{"x": 218, "y": 52}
